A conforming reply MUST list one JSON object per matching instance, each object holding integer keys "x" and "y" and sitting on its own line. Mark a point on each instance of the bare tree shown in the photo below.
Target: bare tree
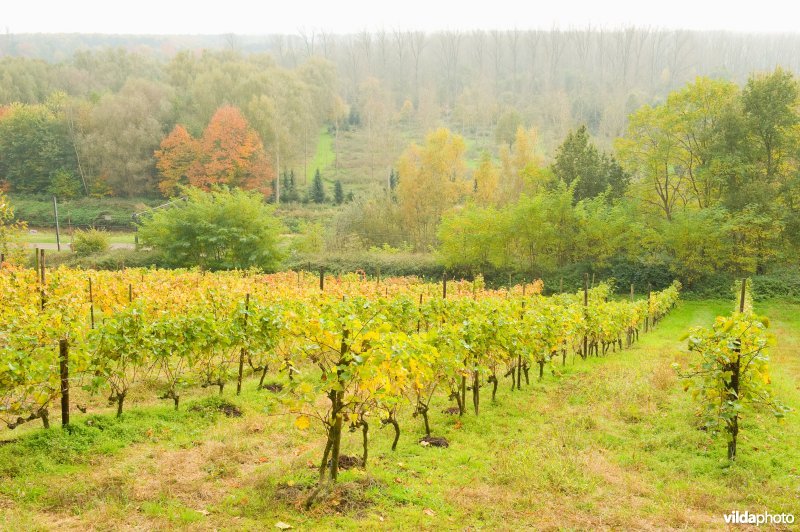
{"x": 365, "y": 45}
{"x": 534, "y": 39}
{"x": 449, "y": 53}
{"x": 555, "y": 48}
{"x": 497, "y": 58}
{"x": 513, "y": 37}
{"x": 582, "y": 39}
{"x": 309, "y": 37}
{"x": 416, "y": 43}
{"x": 328, "y": 43}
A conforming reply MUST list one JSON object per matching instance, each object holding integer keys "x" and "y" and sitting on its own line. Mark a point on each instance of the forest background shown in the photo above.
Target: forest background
{"x": 634, "y": 153}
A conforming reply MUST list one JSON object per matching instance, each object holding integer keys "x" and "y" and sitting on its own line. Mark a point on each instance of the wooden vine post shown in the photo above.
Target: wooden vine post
{"x": 630, "y": 328}
{"x": 585, "y": 351}
{"x": 91, "y": 304}
{"x": 733, "y": 385}
{"x": 742, "y": 296}
{"x": 419, "y": 316}
{"x": 322, "y": 279}
{"x": 41, "y": 278}
{"x": 63, "y": 363}
{"x": 243, "y": 351}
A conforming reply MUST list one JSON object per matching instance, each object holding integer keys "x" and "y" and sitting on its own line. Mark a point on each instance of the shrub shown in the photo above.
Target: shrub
{"x": 114, "y": 259}
{"x": 89, "y": 242}
{"x": 8, "y": 230}
{"x": 223, "y": 229}
{"x": 389, "y": 265}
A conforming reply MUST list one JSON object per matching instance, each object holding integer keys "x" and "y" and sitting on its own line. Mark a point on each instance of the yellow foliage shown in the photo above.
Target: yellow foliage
{"x": 302, "y": 422}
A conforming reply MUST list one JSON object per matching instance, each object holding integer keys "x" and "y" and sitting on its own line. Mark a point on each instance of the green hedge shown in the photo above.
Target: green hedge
{"x": 389, "y": 264}
{"x": 780, "y": 284}
{"x": 115, "y": 259}
{"x": 109, "y": 213}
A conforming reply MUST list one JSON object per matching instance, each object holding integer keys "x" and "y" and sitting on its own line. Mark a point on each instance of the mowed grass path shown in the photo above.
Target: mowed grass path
{"x": 607, "y": 443}
{"x": 46, "y": 236}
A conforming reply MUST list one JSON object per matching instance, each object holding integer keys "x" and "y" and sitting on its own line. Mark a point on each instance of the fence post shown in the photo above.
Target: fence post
{"x": 63, "y": 362}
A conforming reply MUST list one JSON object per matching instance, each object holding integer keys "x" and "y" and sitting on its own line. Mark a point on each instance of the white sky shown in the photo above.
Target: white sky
{"x": 348, "y": 16}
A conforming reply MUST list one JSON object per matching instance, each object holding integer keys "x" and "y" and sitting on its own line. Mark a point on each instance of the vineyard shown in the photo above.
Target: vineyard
{"x": 377, "y": 365}
{"x": 367, "y": 346}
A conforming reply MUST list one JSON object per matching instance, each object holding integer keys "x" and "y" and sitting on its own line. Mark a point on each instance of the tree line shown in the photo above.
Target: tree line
{"x": 104, "y": 103}
{"x": 699, "y": 180}
{"x": 705, "y": 182}
{"x": 94, "y": 124}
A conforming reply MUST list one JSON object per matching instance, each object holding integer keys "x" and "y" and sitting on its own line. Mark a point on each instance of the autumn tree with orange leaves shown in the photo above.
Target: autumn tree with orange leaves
{"x": 228, "y": 153}
{"x": 178, "y": 153}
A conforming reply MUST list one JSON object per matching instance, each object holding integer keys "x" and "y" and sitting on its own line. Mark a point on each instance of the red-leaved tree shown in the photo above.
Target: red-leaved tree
{"x": 177, "y": 153}
{"x": 229, "y": 153}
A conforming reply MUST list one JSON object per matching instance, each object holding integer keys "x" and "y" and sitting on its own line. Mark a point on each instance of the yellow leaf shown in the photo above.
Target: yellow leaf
{"x": 302, "y": 422}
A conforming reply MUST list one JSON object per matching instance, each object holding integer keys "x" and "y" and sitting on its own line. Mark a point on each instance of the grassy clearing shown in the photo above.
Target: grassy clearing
{"x": 47, "y": 236}
{"x": 604, "y": 443}
{"x": 324, "y": 157}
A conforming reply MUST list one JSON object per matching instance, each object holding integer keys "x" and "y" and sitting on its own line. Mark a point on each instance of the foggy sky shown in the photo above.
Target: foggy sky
{"x": 350, "y": 16}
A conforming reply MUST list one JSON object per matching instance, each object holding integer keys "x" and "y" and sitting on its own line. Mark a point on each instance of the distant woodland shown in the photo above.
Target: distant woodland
{"x": 556, "y": 148}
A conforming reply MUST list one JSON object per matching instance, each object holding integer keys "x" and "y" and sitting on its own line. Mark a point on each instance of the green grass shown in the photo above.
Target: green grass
{"x": 609, "y": 442}
{"x": 324, "y": 157}
{"x": 46, "y": 236}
